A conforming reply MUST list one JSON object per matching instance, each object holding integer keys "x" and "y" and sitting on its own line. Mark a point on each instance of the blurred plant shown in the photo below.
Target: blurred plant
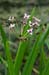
{"x": 31, "y": 26}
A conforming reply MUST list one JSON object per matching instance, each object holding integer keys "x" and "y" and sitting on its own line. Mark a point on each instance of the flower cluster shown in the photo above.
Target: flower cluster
{"x": 33, "y": 24}
{"x": 25, "y": 18}
{"x": 11, "y": 20}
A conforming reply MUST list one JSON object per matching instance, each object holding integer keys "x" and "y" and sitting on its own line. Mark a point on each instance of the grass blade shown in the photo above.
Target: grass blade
{"x": 42, "y": 60}
{"x": 46, "y": 69}
{"x": 19, "y": 56}
{"x": 4, "y": 62}
{"x": 6, "y": 46}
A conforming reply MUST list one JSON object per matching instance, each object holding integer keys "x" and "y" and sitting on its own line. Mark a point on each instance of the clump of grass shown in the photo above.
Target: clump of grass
{"x": 36, "y": 48}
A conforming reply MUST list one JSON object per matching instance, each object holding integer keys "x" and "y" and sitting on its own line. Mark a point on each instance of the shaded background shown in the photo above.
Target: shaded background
{"x": 19, "y": 7}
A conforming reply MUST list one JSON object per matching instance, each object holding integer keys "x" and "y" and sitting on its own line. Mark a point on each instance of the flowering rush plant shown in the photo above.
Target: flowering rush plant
{"x": 33, "y": 46}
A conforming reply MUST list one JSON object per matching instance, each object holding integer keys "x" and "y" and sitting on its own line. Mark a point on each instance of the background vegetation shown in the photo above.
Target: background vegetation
{"x": 17, "y": 8}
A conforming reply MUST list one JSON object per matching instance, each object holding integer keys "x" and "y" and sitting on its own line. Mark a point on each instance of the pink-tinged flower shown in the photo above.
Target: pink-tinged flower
{"x": 35, "y": 24}
{"x": 30, "y": 31}
{"x": 31, "y": 24}
{"x": 11, "y": 26}
{"x": 26, "y": 16}
{"x": 24, "y": 22}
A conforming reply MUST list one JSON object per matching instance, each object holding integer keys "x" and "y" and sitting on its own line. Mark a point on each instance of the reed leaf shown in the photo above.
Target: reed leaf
{"x": 7, "y": 51}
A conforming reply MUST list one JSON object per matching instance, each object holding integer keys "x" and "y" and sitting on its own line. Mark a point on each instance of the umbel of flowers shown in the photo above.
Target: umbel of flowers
{"x": 33, "y": 24}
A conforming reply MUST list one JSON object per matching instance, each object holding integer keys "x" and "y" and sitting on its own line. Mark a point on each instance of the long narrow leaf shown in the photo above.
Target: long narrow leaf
{"x": 19, "y": 56}
{"x": 4, "y": 62}
{"x": 42, "y": 60}
{"x": 46, "y": 69}
{"x": 7, "y": 50}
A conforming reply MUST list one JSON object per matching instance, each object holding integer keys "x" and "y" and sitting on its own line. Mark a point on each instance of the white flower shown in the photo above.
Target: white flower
{"x": 30, "y": 31}
{"x": 11, "y": 26}
{"x": 26, "y": 16}
{"x": 10, "y": 18}
{"x": 33, "y": 24}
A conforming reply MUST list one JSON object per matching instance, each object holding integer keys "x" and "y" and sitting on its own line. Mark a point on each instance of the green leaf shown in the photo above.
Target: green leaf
{"x": 46, "y": 69}
{"x": 4, "y": 62}
{"x": 42, "y": 60}
{"x": 47, "y": 42}
{"x": 7, "y": 51}
{"x": 19, "y": 56}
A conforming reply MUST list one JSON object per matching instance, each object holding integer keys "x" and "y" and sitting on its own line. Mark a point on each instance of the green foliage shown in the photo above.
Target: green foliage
{"x": 34, "y": 53}
{"x": 36, "y": 48}
{"x": 47, "y": 42}
{"x": 7, "y": 50}
{"x": 42, "y": 60}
